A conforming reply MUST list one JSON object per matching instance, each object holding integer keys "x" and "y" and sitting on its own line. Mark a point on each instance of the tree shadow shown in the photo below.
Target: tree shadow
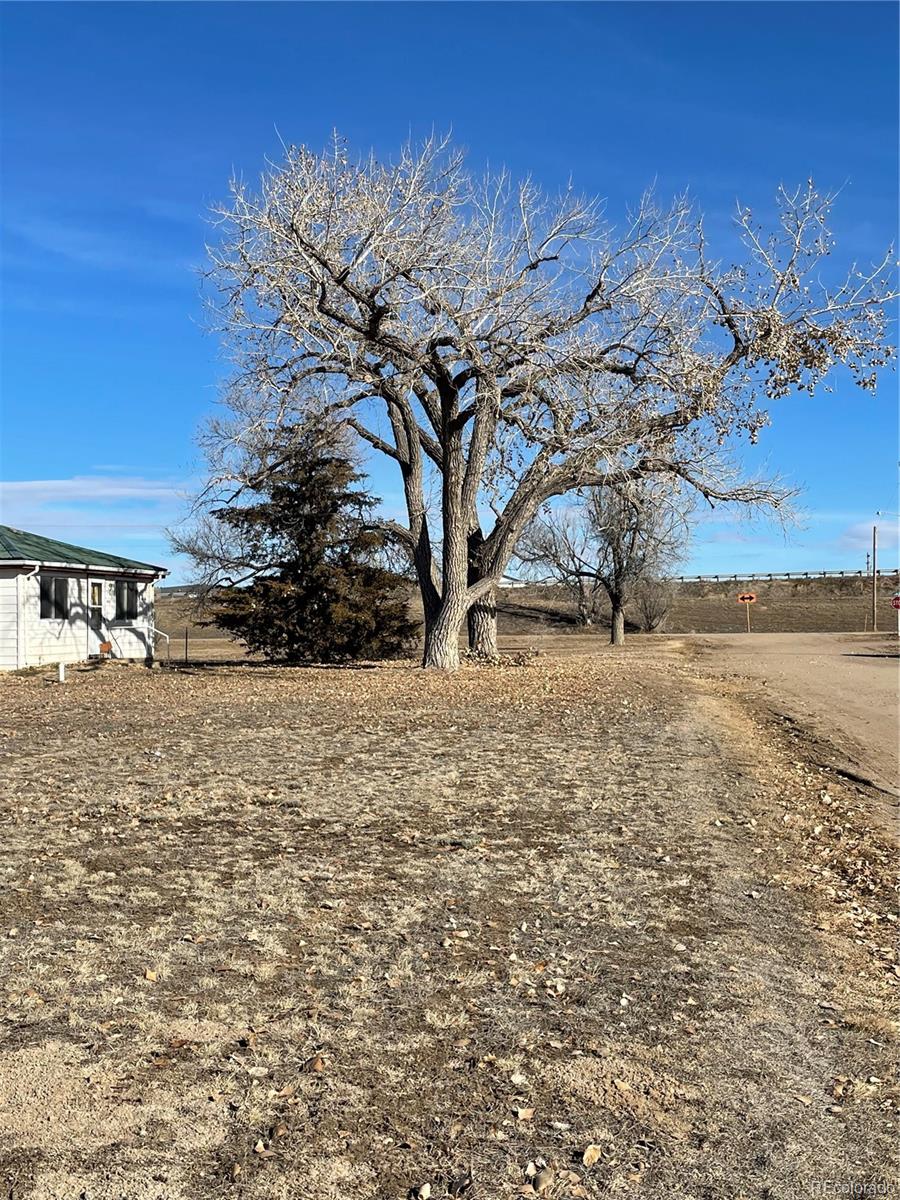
{"x": 533, "y": 612}
{"x": 196, "y": 666}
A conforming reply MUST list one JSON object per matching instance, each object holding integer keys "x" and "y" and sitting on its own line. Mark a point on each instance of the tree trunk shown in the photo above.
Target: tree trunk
{"x": 442, "y": 638}
{"x": 482, "y": 616}
{"x": 617, "y": 625}
{"x": 482, "y": 622}
{"x": 431, "y": 608}
{"x": 584, "y": 605}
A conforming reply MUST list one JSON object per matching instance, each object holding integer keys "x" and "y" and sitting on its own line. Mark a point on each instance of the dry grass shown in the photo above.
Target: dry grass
{"x": 304, "y": 933}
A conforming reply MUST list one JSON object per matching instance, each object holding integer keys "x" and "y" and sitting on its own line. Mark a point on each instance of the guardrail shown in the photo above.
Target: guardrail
{"x": 729, "y": 577}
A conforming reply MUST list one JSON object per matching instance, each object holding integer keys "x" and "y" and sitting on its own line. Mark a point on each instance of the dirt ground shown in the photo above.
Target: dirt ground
{"x": 841, "y": 690}
{"x": 594, "y": 926}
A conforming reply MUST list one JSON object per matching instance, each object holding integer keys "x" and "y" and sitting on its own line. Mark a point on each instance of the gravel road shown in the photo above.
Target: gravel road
{"x": 842, "y": 688}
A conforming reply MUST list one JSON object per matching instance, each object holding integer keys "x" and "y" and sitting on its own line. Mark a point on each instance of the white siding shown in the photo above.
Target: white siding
{"x": 9, "y": 625}
{"x": 50, "y": 641}
{"x": 131, "y": 639}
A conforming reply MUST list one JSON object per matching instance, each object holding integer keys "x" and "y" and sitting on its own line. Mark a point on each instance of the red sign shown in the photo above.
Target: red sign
{"x": 895, "y": 601}
{"x": 747, "y": 598}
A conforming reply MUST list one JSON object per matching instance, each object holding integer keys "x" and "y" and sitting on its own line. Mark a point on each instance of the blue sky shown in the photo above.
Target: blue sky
{"x": 121, "y": 124}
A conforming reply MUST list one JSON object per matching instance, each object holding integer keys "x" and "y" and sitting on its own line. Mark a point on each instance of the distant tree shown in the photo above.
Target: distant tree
{"x": 653, "y": 599}
{"x": 557, "y": 547}
{"x": 608, "y": 545}
{"x": 293, "y": 565}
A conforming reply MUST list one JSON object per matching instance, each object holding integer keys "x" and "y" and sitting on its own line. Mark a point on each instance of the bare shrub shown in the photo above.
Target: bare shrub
{"x": 653, "y": 599}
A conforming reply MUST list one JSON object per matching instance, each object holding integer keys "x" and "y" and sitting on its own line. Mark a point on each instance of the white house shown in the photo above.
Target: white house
{"x": 62, "y": 603}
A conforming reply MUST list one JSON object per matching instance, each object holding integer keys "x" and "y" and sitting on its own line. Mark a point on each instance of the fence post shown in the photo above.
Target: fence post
{"x": 185, "y": 643}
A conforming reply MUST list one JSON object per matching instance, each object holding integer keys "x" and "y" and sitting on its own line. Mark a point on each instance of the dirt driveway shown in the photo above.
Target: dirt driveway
{"x": 842, "y": 688}
{"x": 582, "y": 928}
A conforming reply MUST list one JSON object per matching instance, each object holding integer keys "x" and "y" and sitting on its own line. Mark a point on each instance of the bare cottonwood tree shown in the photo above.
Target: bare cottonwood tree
{"x": 556, "y": 548}
{"x": 608, "y": 544}
{"x": 510, "y": 348}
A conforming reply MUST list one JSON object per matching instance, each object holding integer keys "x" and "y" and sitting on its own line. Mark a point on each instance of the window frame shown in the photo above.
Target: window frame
{"x": 54, "y": 595}
{"x": 127, "y": 606}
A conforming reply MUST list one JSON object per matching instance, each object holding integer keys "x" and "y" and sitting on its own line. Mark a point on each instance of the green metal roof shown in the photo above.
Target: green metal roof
{"x": 18, "y": 546}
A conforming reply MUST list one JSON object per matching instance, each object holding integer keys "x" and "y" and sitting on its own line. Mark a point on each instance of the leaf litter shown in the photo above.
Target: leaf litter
{"x": 368, "y": 932}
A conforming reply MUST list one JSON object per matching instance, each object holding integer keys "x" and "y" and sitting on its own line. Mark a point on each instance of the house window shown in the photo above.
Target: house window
{"x": 54, "y": 598}
{"x": 126, "y": 600}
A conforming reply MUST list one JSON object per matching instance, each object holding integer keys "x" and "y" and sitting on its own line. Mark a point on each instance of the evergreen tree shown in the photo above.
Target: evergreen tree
{"x": 318, "y": 590}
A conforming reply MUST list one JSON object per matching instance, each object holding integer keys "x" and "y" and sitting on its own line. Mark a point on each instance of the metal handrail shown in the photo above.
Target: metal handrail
{"x": 159, "y": 633}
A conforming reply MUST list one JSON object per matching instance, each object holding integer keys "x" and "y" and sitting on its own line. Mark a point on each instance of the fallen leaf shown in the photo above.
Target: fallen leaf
{"x": 804, "y": 1100}
{"x": 544, "y": 1180}
{"x": 149, "y": 975}
{"x": 460, "y": 1184}
{"x": 524, "y": 1114}
{"x": 592, "y": 1154}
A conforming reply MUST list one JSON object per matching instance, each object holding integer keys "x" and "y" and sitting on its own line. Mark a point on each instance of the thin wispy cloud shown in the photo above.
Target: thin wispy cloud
{"x": 121, "y": 513}
{"x": 89, "y": 489}
{"x": 858, "y": 538}
{"x": 93, "y": 247}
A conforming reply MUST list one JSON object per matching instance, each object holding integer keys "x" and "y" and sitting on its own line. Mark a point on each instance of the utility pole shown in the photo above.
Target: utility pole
{"x": 874, "y": 578}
